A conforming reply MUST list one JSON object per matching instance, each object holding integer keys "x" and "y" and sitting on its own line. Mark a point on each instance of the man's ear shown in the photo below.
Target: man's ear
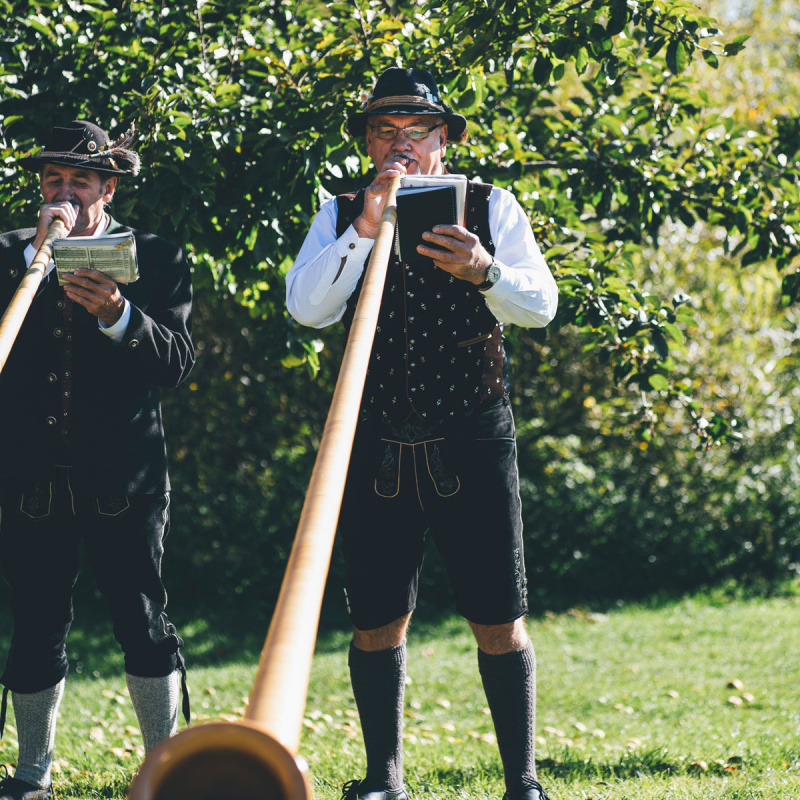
{"x": 108, "y": 189}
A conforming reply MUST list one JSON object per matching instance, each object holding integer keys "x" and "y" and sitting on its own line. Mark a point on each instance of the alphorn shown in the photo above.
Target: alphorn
{"x": 15, "y": 313}
{"x": 256, "y": 759}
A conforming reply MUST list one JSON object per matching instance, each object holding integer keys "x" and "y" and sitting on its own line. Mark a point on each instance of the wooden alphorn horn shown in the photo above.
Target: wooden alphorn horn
{"x": 12, "y": 318}
{"x": 256, "y": 759}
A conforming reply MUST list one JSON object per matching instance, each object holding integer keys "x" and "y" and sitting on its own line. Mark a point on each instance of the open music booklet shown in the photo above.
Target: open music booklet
{"x": 424, "y": 201}
{"x": 114, "y": 254}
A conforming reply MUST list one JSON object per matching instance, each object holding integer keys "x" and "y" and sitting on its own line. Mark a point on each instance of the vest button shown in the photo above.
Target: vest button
{"x": 51, "y": 421}
{"x": 60, "y": 304}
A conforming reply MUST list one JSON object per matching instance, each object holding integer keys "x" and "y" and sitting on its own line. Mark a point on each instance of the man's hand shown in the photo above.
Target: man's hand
{"x": 367, "y": 224}
{"x": 64, "y": 211}
{"x": 465, "y": 258}
{"x": 97, "y": 293}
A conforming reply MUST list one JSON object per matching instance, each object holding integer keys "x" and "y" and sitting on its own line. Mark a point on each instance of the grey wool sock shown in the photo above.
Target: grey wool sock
{"x": 156, "y": 702}
{"x": 509, "y": 681}
{"x": 379, "y": 682}
{"x": 36, "y": 715}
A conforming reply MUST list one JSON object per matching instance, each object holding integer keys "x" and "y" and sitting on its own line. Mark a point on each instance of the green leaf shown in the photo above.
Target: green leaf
{"x": 619, "y": 16}
{"x": 677, "y": 57}
{"x": 581, "y": 60}
{"x": 660, "y": 343}
{"x": 675, "y": 333}
{"x": 658, "y": 382}
{"x": 542, "y": 70}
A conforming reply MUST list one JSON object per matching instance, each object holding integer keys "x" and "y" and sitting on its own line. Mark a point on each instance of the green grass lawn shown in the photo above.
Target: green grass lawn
{"x": 692, "y": 699}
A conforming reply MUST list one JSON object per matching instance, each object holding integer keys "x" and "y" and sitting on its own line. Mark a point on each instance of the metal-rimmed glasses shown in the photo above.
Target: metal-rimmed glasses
{"x": 416, "y": 133}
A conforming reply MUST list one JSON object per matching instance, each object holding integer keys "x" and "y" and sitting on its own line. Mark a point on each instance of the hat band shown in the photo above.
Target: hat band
{"x": 402, "y": 100}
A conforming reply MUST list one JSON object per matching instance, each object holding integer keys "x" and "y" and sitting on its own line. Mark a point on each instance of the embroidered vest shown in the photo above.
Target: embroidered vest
{"x": 438, "y": 349}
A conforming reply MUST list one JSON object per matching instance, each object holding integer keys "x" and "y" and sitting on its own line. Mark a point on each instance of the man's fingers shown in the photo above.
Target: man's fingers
{"x": 89, "y": 278}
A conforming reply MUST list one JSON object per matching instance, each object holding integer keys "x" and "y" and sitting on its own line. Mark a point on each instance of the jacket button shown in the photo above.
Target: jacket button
{"x": 13, "y": 273}
{"x": 133, "y": 343}
{"x": 51, "y": 421}
{"x": 52, "y": 377}
{"x": 58, "y": 332}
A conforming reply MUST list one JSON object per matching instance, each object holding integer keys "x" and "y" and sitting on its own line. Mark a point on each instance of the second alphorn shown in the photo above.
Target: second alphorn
{"x": 256, "y": 759}
{"x": 12, "y": 318}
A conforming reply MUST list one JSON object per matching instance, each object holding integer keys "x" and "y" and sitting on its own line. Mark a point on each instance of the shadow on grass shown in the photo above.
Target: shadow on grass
{"x": 222, "y": 626}
{"x": 574, "y": 767}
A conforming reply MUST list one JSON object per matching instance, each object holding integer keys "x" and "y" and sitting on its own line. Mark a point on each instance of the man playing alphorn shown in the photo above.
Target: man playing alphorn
{"x": 83, "y": 454}
{"x": 435, "y": 444}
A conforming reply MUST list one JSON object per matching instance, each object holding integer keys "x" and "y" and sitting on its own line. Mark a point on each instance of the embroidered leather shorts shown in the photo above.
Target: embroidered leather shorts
{"x": 457, "y": 480}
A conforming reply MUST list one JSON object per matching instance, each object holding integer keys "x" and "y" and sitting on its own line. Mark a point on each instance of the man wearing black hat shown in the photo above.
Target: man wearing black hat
{"x": 435, "y": 444}
{"x": 83, "y": 454}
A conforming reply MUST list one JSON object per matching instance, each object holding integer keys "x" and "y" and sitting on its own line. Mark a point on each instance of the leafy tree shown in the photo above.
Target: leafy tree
{"x": 647, "y": 183}
{"x": 586, "y": 109}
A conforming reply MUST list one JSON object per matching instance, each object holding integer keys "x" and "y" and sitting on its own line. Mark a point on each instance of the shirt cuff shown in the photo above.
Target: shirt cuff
{"x": 351, "y": 244}
{"x": 29, "y": 254}
{"x": 116, "y": 332}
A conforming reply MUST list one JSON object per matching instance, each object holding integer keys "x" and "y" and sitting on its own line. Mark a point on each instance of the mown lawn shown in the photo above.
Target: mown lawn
{"x": 692, "y": 699}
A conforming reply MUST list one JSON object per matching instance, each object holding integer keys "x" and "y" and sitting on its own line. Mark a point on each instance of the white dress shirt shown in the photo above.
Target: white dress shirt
{"x": 525, "y": 295}
{"x": 116, "y": 332}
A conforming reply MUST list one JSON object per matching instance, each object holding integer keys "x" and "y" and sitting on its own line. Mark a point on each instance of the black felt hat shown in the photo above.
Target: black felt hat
{"x": 84, "y": 144}
{"x": 407, "y": 91}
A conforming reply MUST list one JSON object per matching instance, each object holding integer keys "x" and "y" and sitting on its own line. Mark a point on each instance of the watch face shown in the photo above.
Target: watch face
{"x": 494, "y": 273}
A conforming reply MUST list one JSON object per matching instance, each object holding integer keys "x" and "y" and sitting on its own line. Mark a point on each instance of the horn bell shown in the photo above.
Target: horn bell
{"x": 221, "y": 761}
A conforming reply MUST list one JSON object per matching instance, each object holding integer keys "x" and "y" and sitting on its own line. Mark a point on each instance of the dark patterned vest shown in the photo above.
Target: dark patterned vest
{"x": 438, "y": 349}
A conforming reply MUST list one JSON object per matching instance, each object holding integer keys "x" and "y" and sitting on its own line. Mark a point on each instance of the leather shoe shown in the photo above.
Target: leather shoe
{"x": 351, "y": 791}
{"x": 532, "y": 792}
{"x": 14, "y": 789}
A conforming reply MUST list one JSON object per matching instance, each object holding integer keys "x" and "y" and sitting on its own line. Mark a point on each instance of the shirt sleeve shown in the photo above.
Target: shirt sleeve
{"x": 116, "y": 332}
{"x": 326, "y": 271}
{"x": 526, "y": 294}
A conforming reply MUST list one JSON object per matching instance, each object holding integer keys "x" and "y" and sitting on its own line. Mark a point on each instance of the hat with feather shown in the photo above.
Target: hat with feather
{"x": 409, "y": 92}
{"x": 85, "y": 145}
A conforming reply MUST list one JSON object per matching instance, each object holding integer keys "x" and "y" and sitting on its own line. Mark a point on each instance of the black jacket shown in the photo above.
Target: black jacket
{"x": 116, "y": 436}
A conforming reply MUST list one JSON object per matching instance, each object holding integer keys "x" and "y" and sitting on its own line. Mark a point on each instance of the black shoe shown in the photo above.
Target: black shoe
{"x": 532, "y": 792}
{"x": 14, "y": 789}
{"x": 350, "y": 791}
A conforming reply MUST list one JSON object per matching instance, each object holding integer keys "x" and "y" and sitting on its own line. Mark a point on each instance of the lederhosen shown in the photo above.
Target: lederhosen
{"x": 435, "y": 431}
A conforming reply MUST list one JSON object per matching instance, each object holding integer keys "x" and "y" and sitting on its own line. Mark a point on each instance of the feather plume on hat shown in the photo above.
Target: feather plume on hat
{"x": 123, "y": 158}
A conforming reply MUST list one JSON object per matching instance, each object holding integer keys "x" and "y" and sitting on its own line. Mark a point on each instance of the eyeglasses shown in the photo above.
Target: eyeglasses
{"x": 416, "y": 133}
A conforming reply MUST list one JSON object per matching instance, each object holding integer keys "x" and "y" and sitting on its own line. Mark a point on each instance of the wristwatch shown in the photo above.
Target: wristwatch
{"x": 492, "y": 276}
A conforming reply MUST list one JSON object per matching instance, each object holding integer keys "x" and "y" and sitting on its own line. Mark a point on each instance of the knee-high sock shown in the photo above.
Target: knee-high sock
{"x": 509, "y": 681}
{"x": 36, "y": 715}
{"x": 156, "y": 702}
{"x": 379, "y": 681}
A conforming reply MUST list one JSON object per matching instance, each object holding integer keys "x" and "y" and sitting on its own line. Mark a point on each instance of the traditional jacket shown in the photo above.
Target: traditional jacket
{"x": 69, "y": 394}
{"x": 438, "y": 349}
